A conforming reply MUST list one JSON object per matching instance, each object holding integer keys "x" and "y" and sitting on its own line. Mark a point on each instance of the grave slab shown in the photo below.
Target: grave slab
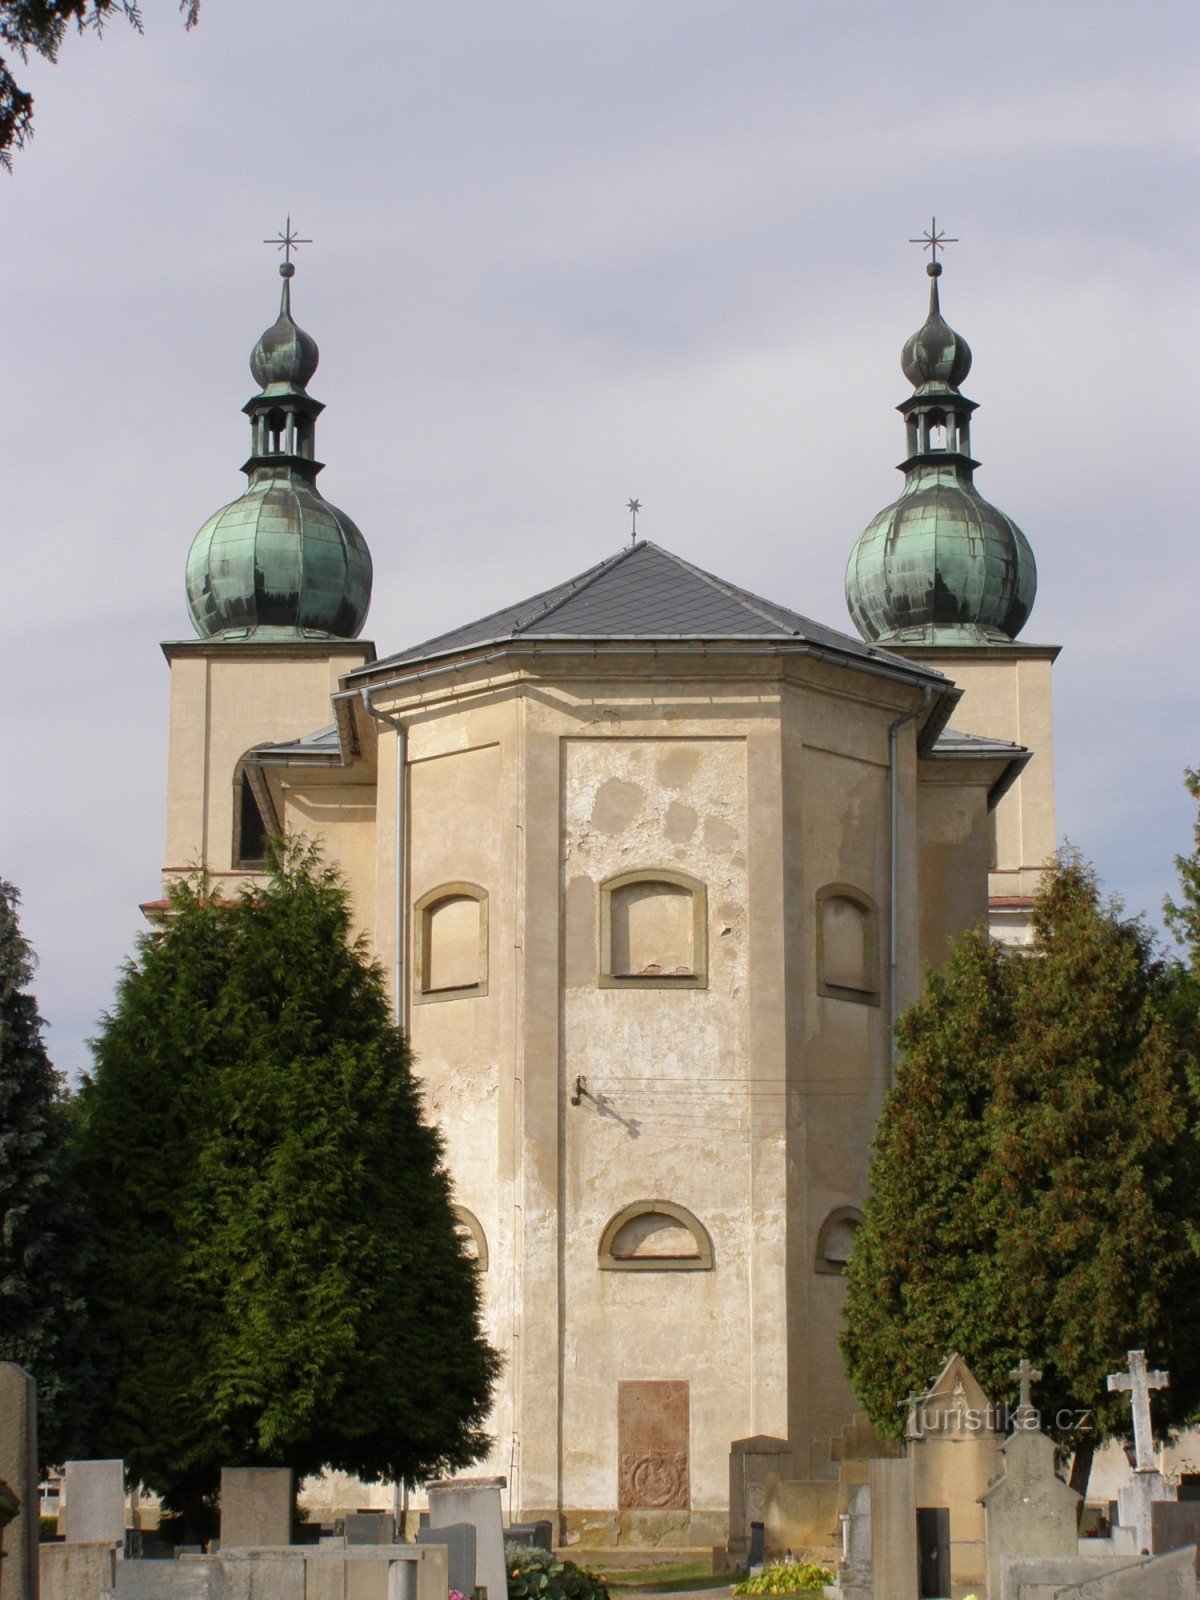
{"x": 370, "y": 1527}
{"x": 256, "y": 1507}
{"x": 751, "y": 1461}
{"x": 1174, "y": 1524}
{"x": 77, "y": 1571}
{"x": 93, "y": 1510}
{"x": 477, "y": 1501}
{"x": 459, "y": 1540}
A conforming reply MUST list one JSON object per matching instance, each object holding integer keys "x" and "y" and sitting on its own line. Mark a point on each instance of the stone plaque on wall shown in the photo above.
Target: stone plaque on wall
{"x": 652, "y": 1442}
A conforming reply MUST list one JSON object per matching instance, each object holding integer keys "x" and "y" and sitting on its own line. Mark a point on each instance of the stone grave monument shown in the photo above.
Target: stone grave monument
{"x": 751, "y": 1461}
{"x": 18, "y": 1472}
{"x": 256, "y": 1507}
{"x": 954, "y": 1440}
{"x": 1029, "y": 1510}
{"x": 459, "y": 1541}
{"x": 1147, "y": 1484}
{"x": 369, "y": 1527}
{"x": 477, "y": 1501}
{"x": 93, "y": 1510}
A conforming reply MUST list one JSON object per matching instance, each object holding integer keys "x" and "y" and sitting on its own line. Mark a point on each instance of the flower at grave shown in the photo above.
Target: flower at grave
{"x": 455, "y": 1594}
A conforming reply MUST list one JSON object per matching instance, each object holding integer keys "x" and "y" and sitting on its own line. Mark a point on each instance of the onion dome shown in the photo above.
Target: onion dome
{"x": 285, "y": 355}
{"x": 940, "y": 565}
{"x": 280, "y": 562}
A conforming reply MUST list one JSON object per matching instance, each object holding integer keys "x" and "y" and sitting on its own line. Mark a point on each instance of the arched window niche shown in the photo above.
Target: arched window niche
{"x": 254, "y": 819}
{"x": 847, "y": 944}
{"x": 655, "y": 1236}
{"x": 653, "y": 931}
{"x": 836, "y": 1239}
{"x": 450, "y": 956}
{"x": 470, "y": 1231}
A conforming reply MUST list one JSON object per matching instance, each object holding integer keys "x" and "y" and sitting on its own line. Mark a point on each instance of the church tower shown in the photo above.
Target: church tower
{"x": 278, "y": 585}
{"x": 946, "y": 579}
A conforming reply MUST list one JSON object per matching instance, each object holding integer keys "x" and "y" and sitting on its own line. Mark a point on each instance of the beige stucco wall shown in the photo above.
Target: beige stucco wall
{"x": 749, "y": 1101}
{"x": 1007, "y": 694}
{"x": 224, "y": 700}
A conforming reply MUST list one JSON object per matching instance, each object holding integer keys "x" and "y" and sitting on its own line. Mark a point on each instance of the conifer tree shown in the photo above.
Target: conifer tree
{"x": 1034, "y": 1177}
{"x": 44, "y": 1233}
{"x": 285, "y": 1282}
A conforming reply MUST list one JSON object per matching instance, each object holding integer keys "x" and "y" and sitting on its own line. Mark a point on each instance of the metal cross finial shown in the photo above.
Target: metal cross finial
{"x": 932, "y": 240}
{"x": 1139, "y": 1382}
{"x": 634, "y": 506}
{"x": 287, "y": 241}
{"x": 1026, "y": 1374}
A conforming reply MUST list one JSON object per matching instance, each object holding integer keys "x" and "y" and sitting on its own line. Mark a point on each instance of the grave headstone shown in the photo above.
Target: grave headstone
{"x": 1099, "y": 1577}
{"x": 751, "y": 1461}
{"x": 854, "y": 1569}
{"x": 893, "y": 1530}
{"x": 477, "y": 1501}
{"x": 1174, "y": 1524}
{"x": 1029, "y": 1510}
{"x": 18, "y": 1471}
{"x": 1147, "y": 1485}
{"x": 93, "y": 1502}
{"x": 370, "y": 1527}
{"x": 256, "y": 1507}
{"x": 459, "y": 1540}
{"x": 539, "y": 1534}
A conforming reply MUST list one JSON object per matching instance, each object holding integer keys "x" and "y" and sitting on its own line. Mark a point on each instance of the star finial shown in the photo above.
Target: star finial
{"x": 287, "y": 241}
{"x": 634, "y": 507}
{"x": 933, "y": 241}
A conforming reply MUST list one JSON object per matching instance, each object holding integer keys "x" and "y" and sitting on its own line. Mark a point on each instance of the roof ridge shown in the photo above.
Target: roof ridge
{"x": 752, "y": 602}
{"x": 573, "y": 587}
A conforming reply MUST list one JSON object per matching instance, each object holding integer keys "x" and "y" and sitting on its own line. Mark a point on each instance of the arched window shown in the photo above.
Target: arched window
{"x": 653, "y": 931}
{"x": 470, "y": 1231}
{"x": 847, "y": 944}
{"x": 655, "y": 1236}
{"x": 451, "y": 954}
{"x": 254, "y": 819}
{"x": 836, "y": 1239}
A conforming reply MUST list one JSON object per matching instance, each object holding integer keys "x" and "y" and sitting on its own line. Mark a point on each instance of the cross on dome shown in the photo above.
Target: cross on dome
{"x": 933, "y": 241}
{"x": 287, "y": 241}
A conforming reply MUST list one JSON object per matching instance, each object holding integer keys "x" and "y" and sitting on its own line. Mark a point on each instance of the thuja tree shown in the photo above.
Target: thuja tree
{"x": 44, "y": 1234}
{"x": 1034, "y": 1177}
{"x": 282, "y": 1276}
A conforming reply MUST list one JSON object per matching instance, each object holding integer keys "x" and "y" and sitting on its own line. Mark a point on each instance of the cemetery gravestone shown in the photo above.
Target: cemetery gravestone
{"x": 954, "y": 1447}
{"x": 370, "y": 1527}
{"x": 1029, "y": 1511}
{"x": 18, "y": 1471}
{"x": 256, "y": 1507}
{"x": 459, "y": 1540}
{"x": 750, "y": 1462}
{"x": 477, "y": 1501}
{"x": 93, "y": 1509}
{"x": 1173, "y": 1525}
{"x": 893, "y": 1530}
{"x": 1147, "y": 1484}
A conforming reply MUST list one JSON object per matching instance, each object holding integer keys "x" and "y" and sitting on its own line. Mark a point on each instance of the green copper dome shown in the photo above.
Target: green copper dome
{"x": 280, "y": 562}
{"x": 940, "y": 565}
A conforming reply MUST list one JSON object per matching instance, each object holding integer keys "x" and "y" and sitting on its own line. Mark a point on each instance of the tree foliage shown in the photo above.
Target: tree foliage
{"x": 41, "y": 26}
{"x": 44, "y": 1233}
{"x": 282, "y": 1275}
{"x": 1034, "y": 1175}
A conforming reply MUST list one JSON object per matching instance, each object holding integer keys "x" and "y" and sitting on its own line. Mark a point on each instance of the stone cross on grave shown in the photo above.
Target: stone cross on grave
{"x": 1026, "y": 1374}
{"x": 1139, "y": 1382}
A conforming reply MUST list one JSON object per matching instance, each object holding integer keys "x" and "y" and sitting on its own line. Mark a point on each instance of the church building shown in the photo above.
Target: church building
{"x": 652, "y": 864}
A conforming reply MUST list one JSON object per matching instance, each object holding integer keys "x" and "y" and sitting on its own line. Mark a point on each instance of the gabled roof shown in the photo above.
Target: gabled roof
{"x": 644, "y": 592}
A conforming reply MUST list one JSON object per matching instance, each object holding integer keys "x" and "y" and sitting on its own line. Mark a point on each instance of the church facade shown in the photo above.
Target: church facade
{"x": 652, "y": 864}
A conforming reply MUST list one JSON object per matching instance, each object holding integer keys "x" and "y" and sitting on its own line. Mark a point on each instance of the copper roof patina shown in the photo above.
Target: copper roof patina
{"x": 940, "y": 565}
{"x": 280, "y": 562}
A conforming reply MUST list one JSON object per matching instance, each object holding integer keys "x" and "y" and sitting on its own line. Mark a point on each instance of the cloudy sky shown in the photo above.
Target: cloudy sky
{"x": 567, "y": 252}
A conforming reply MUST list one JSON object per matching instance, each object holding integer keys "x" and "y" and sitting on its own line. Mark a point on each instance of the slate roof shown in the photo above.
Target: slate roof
{"x": 643, "y": 592}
